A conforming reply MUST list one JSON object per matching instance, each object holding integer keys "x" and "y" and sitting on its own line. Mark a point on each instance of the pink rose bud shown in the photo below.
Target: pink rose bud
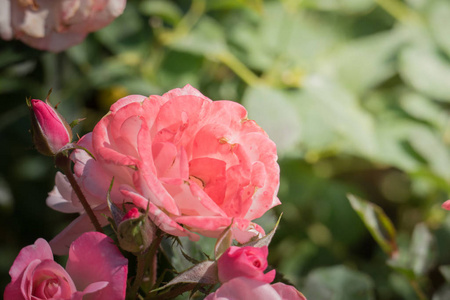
{"x": 247, "y": 262}
{"x": 49, "y": 129}
{"x": 135, "y": 232}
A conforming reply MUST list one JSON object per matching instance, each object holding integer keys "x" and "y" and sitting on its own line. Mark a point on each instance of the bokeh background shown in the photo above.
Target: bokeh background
{"x": 355, "y": 93}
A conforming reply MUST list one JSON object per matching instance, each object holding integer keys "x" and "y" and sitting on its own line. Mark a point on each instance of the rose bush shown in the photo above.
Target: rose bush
{"x": 197, "y": 164}
{"x": 247, "y": 261}
{"x": 243, "y": 288}
{"x": 95, "y": 268}
{"x": 55, "y": 25}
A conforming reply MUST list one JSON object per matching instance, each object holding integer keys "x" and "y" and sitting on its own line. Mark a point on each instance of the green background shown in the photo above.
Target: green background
{"x": 355, "y": 93}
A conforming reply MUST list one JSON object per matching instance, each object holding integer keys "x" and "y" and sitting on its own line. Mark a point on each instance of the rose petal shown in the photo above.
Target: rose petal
{"x": 93, "y": 257}
{"x": 242, "y": 288}
{"x": 157, "y": 216}
{"x": 60, "y": 244}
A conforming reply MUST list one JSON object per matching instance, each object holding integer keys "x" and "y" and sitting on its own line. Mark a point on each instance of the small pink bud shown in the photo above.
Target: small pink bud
{"x": 131, "y": 214}
{"x": 50, "y": 131}
{"x": 135, "y": 231}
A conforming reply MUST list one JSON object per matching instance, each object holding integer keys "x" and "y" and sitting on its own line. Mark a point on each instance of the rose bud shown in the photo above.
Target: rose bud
{"x": 135, "y": 232}
{"x": 49, "y": 129}
{"x": 250, "y": 262}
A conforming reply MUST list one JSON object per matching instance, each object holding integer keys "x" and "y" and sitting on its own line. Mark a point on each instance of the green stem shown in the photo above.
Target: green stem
{"x": 238, "y": 67}
{"x": 420, "y": 294}
{"x": 398, "y": 10}
{"x": 63, "y": 162}
{"x": 144, "y": 261}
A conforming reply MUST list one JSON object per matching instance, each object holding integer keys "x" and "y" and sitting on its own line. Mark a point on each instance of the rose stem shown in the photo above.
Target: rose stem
{"x": 143, "y": 260}
{"x": 63, "y": 162}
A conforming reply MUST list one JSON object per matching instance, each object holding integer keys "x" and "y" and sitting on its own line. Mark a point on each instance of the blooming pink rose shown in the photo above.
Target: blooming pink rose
{"x": 50, "y": 131}
{"x": 55, "y": 25}
{"x": 198, "y": 165}
{"x": 247, "y": 261}
{"x": 243, "y": 288}
{"x": 95, "y": 267}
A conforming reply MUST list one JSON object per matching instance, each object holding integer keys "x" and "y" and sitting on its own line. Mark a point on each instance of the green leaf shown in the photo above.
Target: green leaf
{"x": 426, "y": 71}
{"x": 332, "y": 116}
{"x": 343, "y": 6}
{"x": 275, "y": 112}
{"x": 223, "y": 242}
{"x": 424, "y": 109}
{"x": 422, "y": 249}
{"x": 364, "y": 63}
{"x": 445, "y": 271}
{"x": 265, "y": 240}
{"x": 176, "y": 254}
{"x": 283, "y": 35}
{"x": 166, "y": 10}
{"x": 439, "y": 22}
{"x": 202, "y": 273}
{"x": 206, "y": 38}
{"x": 431, "y": 147}
{"x": 338, "y": 283}
{"x": 378, "y": 224}
{"x": 442, "y": 293}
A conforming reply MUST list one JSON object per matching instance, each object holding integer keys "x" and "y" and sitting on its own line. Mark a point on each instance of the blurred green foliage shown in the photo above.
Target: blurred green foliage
{"x": 355, "y": 93}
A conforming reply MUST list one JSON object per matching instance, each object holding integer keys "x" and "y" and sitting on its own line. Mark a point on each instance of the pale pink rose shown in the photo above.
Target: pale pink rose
{"x": 50, "y": 131}
{"x": 55, "y": 25}
{"x": 243, "y": 288}
{"x": 247, "y": 261}
{"x": 95, "y": 268}
{"x": 198, "y": 165}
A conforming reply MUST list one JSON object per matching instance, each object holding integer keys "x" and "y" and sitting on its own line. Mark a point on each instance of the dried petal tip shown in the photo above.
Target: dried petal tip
{"x": 49, "y": 129}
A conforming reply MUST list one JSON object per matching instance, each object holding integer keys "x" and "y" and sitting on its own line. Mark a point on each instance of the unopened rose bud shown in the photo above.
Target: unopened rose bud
{"x": 135, "y": 232}
{"x": 49, "y": 129}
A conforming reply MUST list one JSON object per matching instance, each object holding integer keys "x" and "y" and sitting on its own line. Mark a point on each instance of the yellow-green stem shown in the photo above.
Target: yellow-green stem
{"x": 238, "y": 67}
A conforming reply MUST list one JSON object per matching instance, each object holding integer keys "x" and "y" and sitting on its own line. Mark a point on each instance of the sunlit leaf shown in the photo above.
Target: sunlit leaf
{"x": 206, "y": 38}
{"x": 343, "y": 6}
{"x": 439, "y": 21}
{"x": 274, "y": 111}
{"x": 378, "y": 224}
{"x": 166, "y": 10}
{"x": 427, "y": 71}
{"x": 338, "y": 283}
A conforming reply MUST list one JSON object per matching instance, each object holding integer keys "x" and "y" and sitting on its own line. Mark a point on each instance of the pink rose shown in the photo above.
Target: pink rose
{"x": 50, "y": 131}
{"x": 446, "y": 205}
{"x": 55, "y": 25}
{"x": 247, "y": 261}
{"x": 197, "y": 164}
{"x": 243, "y": 288}
{"x": 95, "y": 267}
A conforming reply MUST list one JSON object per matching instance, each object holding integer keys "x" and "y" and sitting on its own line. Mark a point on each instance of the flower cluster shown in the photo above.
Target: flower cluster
{"x": 95, "y": 268}
{"x": 155, "y": 168}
